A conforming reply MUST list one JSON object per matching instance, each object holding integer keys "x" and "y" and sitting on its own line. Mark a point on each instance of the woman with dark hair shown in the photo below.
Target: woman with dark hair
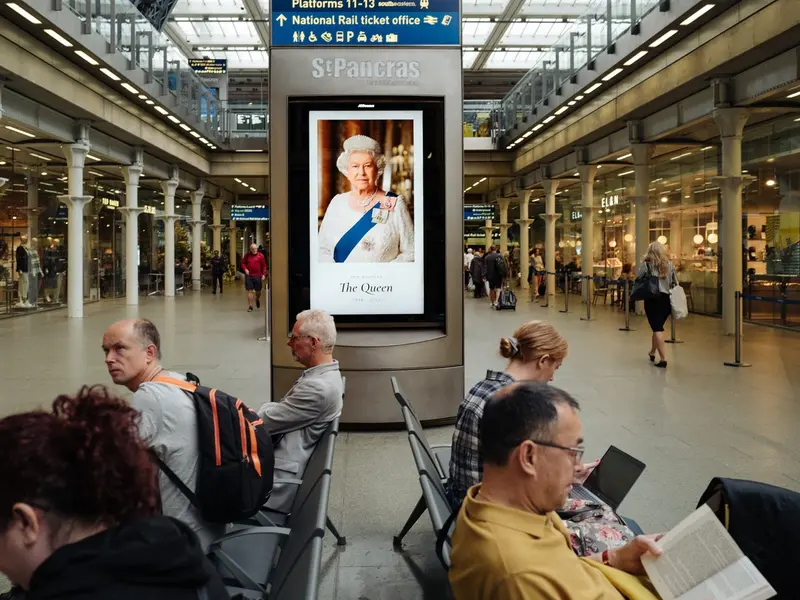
{"x": 78, "y": 507}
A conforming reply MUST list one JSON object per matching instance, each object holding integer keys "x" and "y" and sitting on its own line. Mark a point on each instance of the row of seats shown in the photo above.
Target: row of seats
{"x": 278, "y": 556}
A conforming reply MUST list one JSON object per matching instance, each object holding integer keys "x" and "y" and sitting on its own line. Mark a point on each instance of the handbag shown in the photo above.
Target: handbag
{"x": 471, "y": 285}
{"x": 645, "y": 287}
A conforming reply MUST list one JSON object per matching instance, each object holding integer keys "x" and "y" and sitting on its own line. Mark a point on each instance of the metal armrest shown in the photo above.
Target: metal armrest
{"x": 250, "y": 532}
{"x": 441, "y": 446}
{"x": 217, "y": 552}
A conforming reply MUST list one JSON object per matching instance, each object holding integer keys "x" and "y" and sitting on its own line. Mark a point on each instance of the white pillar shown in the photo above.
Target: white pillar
{"x": 216, "y": 244}
{"x": 504, "y": 224}
{"x": 641, "y": 197}
{"x": 234, "y": 240}
{"x": 550, "y": 217}
{"x": 488, "y": 229}
{"x": 197, "y": 236}
{"x": 524, "y": 237}
{"x": 33, "y": 207}
{"x": 169, "y": 186}
{"x": 131, "y": 212}
{"x": 731, "y": 122}
{"x": 75, "y": 201}
{"x": 587, "y": 174}
{"x": 259, "y": 233}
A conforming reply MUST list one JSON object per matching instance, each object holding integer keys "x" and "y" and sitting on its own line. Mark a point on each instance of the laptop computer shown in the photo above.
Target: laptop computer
{"x": 611, "y": 480}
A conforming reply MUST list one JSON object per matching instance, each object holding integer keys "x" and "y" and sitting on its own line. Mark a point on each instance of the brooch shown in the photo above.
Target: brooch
{"x": 368, "y": 245}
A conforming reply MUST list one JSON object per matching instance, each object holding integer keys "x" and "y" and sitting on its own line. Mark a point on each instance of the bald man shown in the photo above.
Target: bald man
{"x": 169, "y": 420}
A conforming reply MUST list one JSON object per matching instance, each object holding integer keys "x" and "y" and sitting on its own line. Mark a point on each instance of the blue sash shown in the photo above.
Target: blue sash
{"x": 348, "y": 242}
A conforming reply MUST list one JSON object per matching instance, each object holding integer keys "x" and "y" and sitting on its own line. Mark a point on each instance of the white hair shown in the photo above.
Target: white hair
{"x": 318, "y": 324}
{"x": 361, "y": 143}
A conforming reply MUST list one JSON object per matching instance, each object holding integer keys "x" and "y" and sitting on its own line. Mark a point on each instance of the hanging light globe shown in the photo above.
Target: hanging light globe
{"x": 698, "y": 239}
{"x": 612, "y": 244}
{"x": 662, "y": 239}
{"x": 712, "y": 238}
{"x": 561, "y": 244}
{"x": 628, "y": 237}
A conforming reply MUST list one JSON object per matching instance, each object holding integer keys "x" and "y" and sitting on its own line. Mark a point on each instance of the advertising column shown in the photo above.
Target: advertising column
{"x": 365, "y": 200}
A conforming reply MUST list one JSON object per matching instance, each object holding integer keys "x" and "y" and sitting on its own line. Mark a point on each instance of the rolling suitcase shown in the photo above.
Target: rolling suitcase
{"x": 507, "y": 300}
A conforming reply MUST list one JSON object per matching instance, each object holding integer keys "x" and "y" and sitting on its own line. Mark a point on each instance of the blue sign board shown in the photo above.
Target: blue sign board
{"x": 478, "y": 212}
{"x": 249, "y": 212}
{"x": 365, "y": 22}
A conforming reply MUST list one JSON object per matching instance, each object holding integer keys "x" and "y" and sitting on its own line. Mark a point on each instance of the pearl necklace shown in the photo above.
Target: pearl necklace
{"x": 365, "y": 203}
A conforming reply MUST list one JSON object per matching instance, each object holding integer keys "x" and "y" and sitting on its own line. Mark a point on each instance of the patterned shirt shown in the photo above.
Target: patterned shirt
{"x": 466, "y": 462}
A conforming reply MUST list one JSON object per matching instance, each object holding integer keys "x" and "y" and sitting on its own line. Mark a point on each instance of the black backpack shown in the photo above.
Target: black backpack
{"x": 237, "y": 462}
{"x": 501, "y": 266}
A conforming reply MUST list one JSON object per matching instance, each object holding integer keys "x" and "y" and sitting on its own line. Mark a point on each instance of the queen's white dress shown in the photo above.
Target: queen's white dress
{"x": 389, "y": 241}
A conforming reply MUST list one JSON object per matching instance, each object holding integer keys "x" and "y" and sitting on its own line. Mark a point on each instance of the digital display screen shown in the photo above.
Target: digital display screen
{"x": 249, "y": 212}
{"x": 479, "y": 212}
{"x": 372, "y": 180}
{"x": 366, "y": 207}
{"x": 209, "y": 66}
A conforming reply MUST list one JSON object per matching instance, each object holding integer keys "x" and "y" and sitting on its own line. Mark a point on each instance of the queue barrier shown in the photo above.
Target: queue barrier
{"x": 737, "y": 345}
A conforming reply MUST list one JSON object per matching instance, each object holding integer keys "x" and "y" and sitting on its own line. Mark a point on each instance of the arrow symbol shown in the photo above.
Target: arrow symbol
{"x": 281, "y": 19}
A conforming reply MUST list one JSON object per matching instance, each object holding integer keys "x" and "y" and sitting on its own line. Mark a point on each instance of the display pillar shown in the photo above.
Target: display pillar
{"x": 487, "y": 230}
{"x": 33, "y": 208}
{"x": 75, "y": 201}
{"x": 587, "y": 174}
{"x": 504, "y": 224}
{"x": 642, "y": 153}
{"x": 731, "y": 122}
{"x": 524, "y": 198}
{"x": 216, "y": 228}
{"x": 259, "y": 233}
{"x": 197, "y": 237}
{"x": 232, "y": 245}
{"x": 550, "y": 217}
{"x": 169, "y": 187}
{"x": 131, "y": 211}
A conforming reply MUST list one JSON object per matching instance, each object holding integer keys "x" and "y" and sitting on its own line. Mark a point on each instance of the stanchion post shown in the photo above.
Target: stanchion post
{"x": 672, "y": 339}
{"x": 566, "y": 293}
{"x": 626, "y": 304}
{"x": 737, "y": 342}
{"x": 588, "y": 288}
{"x": 546, "y": 294}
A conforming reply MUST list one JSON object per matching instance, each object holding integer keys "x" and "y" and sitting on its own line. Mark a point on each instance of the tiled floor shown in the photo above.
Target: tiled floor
{"x": 689, "y": 423}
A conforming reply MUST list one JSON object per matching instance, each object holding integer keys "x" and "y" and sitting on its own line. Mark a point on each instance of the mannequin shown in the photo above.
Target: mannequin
{"x": 53, "y": 273}
{"x": 29, "y": 271}
{"x": 34, "y": 272}
{"x": 22, "y": 271}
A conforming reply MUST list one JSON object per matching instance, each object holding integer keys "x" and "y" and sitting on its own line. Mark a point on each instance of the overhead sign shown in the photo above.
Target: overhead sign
{"x": 249, "y": 212}
{"x": 479, "y": 212}
{"x": 365, "y": 23}
{"x": 209, "y": 66}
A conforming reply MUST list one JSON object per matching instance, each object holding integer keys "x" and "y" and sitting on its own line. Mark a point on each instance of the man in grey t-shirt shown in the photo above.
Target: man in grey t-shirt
{"x": 169, "y": 421}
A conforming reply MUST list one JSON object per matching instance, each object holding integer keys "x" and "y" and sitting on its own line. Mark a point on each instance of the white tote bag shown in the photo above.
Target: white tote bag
{"x": 677, "y": 299}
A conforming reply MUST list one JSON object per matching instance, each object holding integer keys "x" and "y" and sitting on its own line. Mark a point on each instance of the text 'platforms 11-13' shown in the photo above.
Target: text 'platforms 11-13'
{"x": 365, "y": 22}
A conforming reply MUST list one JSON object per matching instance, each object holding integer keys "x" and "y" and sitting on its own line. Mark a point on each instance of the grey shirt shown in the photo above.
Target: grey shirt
{"x": 664, "y": 283}
{"x": 169, "y": 428}
{"x": 302, "y": 416}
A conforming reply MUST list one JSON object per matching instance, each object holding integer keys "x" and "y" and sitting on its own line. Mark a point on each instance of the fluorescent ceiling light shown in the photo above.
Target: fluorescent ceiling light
{"x": 706, "y": 148}
{"x": 149, "y": 102}
{"x": 15, "y": 130}
{"x": 129, "y": 87}
{"x": 204, "y": 140}
{"x": 162, "y": 110}
{"x": 142, "y": 97}
{"x": 579, "y": 97}
{"x": 548, "y": 119}
{"x": 626, "y": 173}
{"x": 95, "y": 173}
{"x": 592, "y": 88}
{"x": 795, "y": 95}
{"x": 92, "y": 157}
{"x": 680, "y": 156}
{"x": 40, "y": 156}
{"x": 697, "y": 14}
{"x": 518, "y": 140}
{"x": 213, "y": 147}
{"x": 571, "y": 103}
{"x": 527, "y": 134}
{"x": 174, "y": 119}
{"x": 87, "y": 58}
{"x": 194, "y": 133}
{"x": 562, "y": 110}
{"x": 237, "y": 180}
{"x": 797, "y": 120}
{"x": 611, "y": 74}
{"x": 244, "y": 184}
{"x": 248, "y": 151}
{"x": 507, "y": 148}
{"x": 23, "y": 13}
{"x": 480, "y": 181}
{"x": 58, "y": 37}
{"x": 110, "y": 74}
{"x": 634, "y": 58}
{"x": 537, "y": 127}
{"x": 252, "y": 189}
{"x": 185, "y": 127}
{"x": 663, "y": 38}
{"x": 624, "y": 156}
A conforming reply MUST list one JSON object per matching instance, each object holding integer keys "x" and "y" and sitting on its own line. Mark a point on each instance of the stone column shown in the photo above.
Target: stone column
{"x": 259, "y": 233}
{"x": 504, "y": 224}
{"x": 550, "y": 217}
{"x": 216, "y": 244}
{"x": 488, "y": 229}
{"x": 33, "y": 207}
{"x": 131, "y": 212}
{"x": 587, "y": 174}
{"x": 75, "y": 201}
{"x": 232, "y": 245}
{"x": 731, "y": 122}
{"x": 642, "y": 153}
{"x": 197, "y": 237}
{"x": 524, "y": 222}
{"x": 169, "y": 186}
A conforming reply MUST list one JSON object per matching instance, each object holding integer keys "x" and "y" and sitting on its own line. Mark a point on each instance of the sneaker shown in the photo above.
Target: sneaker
{"x": 258, "y": 303}
{"x": 249, "y": 309}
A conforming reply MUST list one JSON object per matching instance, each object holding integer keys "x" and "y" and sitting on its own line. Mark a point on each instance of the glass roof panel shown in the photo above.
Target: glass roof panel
{"x": 476, "y": 31}
{"x": 467, "y": 58}
{"x": 514, "y": 58}
{"x": 242, "y": 59}
{"x": 209, "y": 7}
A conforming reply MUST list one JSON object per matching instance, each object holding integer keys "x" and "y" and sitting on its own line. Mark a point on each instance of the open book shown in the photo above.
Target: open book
{"x": 702, "y": 562}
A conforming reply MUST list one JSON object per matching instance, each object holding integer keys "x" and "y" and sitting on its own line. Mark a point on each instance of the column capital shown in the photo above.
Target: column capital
{"x": 169, "y": 218}
{"x": 200, "y": 222}
{"x": 503, "y": 226}
{"x": 218, "y": 227}
{"x": 524, "y": 222}
{"x": 232, "y": 223}
{"x": 503, "y": 202}
{"x": 524, "y": 196}
{"x": 587, "y": 173}
{"x": 169, "y": 186}
{"x": 642, "y": 153}
{"x": 76, "y": 153}
{"x": 217, "y": 203}
{"x": 129, "y": 210}
{"x": 547, "y": 217}
{"x": 731, "y": 121}
{"x": 75, "y": 201}
{"x": 550, "y": 185}
{"x": 3, "y": 181}
{"x": 131, "y": 174}
{"x": 197, "y": 196}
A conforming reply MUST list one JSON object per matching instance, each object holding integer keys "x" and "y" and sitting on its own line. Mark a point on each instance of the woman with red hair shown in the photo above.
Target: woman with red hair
{"x": 79, "y": 509}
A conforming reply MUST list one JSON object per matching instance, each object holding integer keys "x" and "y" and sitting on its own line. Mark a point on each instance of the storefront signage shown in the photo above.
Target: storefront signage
{"x": 365, "y": 23}
{"x": 209, "y": 66}
{"x": 479, "y": 212}
{"x": 110, "y": 202}
{"x": 576, "y": 215}
{"x": 609, "y": 201}
{"x": 149, "y": 210}
{"x": 249, "y": 212}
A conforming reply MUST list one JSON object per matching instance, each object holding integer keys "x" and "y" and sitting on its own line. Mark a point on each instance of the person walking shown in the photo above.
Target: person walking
{"x": 537, "y": 264}
{"x": 658, "y": 309}
{"x": 468, "y": 257}
{"x": 217, "y": 270}
{"x": 255, "y": 271}
{"x": 495, "y": 269}
{"x": 478, "y": 272}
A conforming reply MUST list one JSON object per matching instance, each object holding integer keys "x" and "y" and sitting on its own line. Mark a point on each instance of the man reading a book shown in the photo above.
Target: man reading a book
{"x": 509, "y": 544}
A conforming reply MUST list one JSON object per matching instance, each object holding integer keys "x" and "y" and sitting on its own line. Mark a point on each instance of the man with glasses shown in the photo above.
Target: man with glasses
{"x": 509, "y": 544}
{"x": 299, "y": 419}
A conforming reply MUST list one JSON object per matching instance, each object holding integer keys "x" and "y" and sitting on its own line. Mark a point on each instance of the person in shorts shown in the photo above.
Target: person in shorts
{"x": 255, "y": 271}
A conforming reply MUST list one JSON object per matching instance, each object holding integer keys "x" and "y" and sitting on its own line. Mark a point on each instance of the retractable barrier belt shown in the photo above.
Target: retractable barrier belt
{"x": 770, "y": 299}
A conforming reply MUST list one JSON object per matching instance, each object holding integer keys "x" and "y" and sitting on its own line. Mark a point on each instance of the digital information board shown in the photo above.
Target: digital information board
{"x": 365, "y": 23}
{"x": 209, "y": 66}
{"x": 479, "y": 212}
{"x": 249, "y": 212}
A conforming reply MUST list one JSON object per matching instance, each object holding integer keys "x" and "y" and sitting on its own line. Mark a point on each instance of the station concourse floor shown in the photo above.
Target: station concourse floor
{"x": 693, "y": 421}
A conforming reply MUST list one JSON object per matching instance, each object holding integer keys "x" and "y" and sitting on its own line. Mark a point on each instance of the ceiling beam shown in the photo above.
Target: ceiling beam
{"x": 176, "y": 35}
{"x": 500, "y": 27}
{"x": 259, "y": 20}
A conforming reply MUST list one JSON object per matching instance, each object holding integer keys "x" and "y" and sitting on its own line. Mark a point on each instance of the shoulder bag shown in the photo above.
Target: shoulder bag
{"x": 645, "y": 287}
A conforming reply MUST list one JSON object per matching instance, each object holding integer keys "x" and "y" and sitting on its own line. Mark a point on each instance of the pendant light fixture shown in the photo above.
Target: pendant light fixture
{"x": 628, "y": 237}
{"x": 698, "y": 238}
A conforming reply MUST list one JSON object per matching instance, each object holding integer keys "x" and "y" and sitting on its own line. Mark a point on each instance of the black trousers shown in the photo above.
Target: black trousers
{"x": 214, "y": 279}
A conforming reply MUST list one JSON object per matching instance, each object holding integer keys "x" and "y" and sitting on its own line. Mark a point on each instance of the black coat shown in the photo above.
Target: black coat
{"x": 153, "y": 559}
{"x": 217, "y": 265}
{"x": 764, "y": 520}
{"x": 476, "y": 270}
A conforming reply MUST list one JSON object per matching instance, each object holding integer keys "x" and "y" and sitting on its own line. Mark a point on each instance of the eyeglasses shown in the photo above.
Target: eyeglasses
{"x": 292, "y": 337}
{"x": 576, "y": 452}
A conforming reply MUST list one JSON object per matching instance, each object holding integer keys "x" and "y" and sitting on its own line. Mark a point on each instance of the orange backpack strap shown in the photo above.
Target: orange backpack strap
{"x": 184, "y": 385}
